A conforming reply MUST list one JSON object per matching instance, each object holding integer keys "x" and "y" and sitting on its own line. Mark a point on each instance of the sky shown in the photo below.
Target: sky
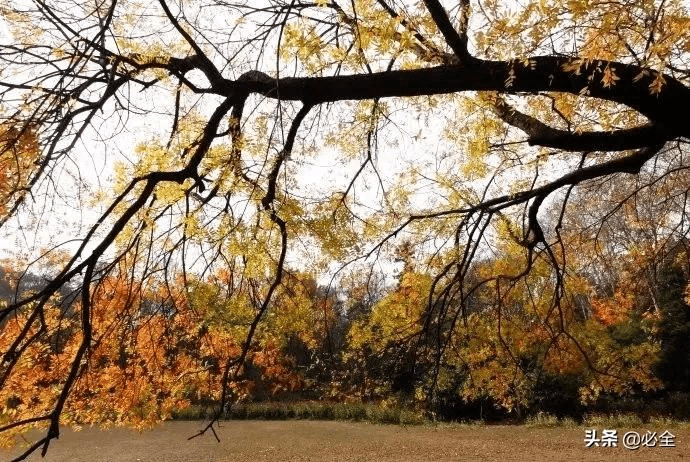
{"x": 59, "y": 219}
{"x": 408, "y": 139}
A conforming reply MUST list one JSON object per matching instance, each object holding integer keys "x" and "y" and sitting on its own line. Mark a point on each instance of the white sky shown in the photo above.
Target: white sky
{"x": 413, "y": 139}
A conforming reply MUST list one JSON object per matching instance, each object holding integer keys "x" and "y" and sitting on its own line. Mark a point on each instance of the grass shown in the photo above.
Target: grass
{"x": 312, "y": 410}
{"x": 633, "y": 420}
{"x": 545, "y": 420}
{"x": 379, "y": 414}
{"x": 619, "y": 420}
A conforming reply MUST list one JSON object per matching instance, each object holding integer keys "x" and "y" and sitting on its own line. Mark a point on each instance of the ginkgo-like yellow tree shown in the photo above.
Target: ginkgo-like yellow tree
{"x": 248, "y": 140}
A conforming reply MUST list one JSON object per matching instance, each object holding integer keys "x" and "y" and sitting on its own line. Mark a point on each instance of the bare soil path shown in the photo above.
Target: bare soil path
{"x": 346, "y": 441}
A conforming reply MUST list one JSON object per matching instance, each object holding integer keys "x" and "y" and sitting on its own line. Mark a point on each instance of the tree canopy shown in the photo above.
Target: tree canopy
{"x": 196, "y": 167}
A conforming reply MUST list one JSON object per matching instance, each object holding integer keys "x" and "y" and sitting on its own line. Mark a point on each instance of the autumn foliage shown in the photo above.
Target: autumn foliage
{"x": 19, "y": 152}
{"x": 152, "y": 353}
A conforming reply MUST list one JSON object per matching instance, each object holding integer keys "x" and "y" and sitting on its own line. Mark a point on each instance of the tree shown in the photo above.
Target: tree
{"x": 516, "y": 107}
{"x": 674, "y": 327}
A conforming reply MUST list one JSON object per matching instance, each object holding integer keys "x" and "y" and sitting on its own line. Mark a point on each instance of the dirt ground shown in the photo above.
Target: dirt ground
{"x": 345, "y": 441}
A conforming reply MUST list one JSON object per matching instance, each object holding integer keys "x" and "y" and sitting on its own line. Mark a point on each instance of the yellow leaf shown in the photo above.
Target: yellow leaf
{"x": 609, "y": 79}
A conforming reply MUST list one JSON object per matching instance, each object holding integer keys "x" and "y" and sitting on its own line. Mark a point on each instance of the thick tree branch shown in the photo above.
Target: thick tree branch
{"x": 205, "y": 64}
{"x": 456, "y": 41}
{"x": 541, "y": 74}
{"x": 541, "y": 134}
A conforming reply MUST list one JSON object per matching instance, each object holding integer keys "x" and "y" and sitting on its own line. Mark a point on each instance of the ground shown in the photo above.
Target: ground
{"x": 346, "y": 441}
